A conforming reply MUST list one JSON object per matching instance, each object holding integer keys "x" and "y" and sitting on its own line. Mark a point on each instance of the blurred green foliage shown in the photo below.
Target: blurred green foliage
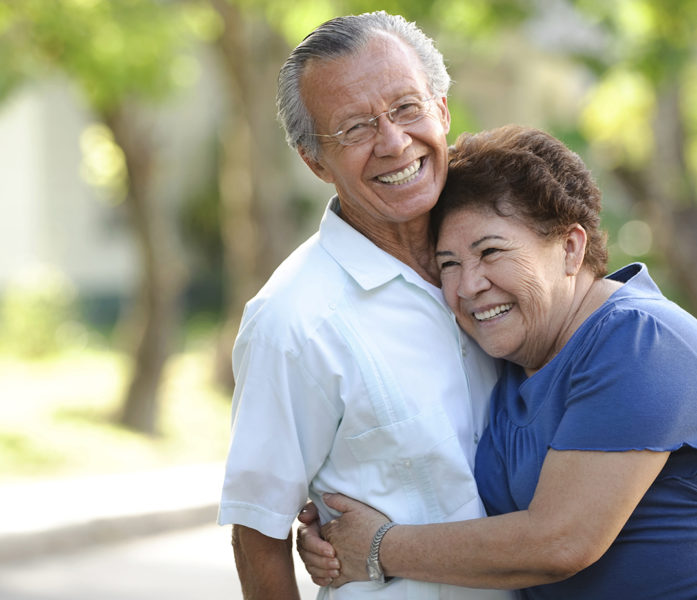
{"x": 57, "y": 416}
{"x": 117, "y": 50}
{"x": 113, "y": 49}
{"x": 38, "y": 314}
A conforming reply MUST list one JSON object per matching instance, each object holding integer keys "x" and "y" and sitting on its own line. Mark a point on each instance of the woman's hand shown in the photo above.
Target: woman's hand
{"x": 318, "y": 555}
{"x": 351, "y": 536}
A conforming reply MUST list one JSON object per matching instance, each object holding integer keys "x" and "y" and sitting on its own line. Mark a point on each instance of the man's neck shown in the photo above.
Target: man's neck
{"x": 421, "y": 258}
{"x": 408, "y": 242}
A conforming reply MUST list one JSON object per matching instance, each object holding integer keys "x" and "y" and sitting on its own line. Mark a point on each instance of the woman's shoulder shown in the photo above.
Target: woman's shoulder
{"x": 638, "y": 308}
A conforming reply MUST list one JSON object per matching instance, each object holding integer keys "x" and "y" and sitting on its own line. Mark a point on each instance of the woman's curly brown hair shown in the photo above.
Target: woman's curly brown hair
{"x": 526, "y": 173}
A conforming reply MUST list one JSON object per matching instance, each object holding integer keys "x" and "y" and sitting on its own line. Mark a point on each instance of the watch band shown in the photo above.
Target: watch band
{"x": 375, "y": 571}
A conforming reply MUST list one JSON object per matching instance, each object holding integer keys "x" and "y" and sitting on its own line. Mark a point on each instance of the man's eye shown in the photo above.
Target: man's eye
{"x": 489, "y": 251}
{"x": 358, "y": 126}
{"x": 405, "y": 109}
{"x": 354, "y": 126}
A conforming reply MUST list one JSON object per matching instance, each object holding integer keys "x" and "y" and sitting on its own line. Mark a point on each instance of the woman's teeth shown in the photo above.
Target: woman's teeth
{"x": 404, "y": 176}
{"x": 492, "y": 312}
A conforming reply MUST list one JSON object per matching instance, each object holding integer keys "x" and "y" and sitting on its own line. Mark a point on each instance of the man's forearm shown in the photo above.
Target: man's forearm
{"x": 265, "y": 565}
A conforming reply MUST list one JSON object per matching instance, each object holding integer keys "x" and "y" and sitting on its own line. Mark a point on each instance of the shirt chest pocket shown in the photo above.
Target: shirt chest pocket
{"x": 420, "y": 462}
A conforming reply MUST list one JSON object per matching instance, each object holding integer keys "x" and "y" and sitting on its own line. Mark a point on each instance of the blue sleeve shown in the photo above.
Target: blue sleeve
{"x": 633, "y": 385}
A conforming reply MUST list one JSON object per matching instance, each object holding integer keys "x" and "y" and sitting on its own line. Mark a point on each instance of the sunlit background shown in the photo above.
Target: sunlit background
{"x": 147, "y": 191}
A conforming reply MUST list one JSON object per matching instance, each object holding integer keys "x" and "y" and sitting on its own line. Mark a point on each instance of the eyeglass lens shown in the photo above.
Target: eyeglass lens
{"x": 362, "y": 128}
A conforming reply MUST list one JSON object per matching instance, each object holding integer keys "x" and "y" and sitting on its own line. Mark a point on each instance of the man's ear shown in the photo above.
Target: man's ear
{"x": 575, "y": 248}
{"x": 316, "y": 166}
{"x": 444, "y": 112}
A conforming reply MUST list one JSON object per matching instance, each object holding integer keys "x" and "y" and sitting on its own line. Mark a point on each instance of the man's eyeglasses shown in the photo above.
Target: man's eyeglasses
{"x": 361, "y": 128}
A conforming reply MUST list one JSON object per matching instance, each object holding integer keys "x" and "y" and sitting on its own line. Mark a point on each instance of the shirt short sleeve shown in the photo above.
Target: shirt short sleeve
{"x": 282, "y": 431}
{"x": 633, "y": 387}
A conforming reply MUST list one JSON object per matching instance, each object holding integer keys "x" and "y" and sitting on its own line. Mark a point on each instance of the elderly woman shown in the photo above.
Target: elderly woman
{"x": 588, "y": 468}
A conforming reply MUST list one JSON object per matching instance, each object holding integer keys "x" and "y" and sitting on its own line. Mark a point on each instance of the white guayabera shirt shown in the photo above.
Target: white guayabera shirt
{"x": 353, "y": 377}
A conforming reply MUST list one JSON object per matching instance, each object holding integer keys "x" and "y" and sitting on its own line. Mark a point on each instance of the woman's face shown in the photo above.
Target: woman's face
{"x": 507, "y": 285}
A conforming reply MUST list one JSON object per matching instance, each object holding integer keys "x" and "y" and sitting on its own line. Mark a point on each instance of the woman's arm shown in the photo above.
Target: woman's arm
{"x": 582, "y": 501}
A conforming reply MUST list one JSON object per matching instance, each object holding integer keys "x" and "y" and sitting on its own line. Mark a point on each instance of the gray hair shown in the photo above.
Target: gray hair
{"x": 339, "y": 37}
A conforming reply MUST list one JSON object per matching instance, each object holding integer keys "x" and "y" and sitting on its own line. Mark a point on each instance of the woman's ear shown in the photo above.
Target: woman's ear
{"x": 316, "y": 166}
{"x": 574, "y": 248}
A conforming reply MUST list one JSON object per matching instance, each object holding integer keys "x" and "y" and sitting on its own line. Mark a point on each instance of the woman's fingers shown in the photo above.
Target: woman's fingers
{"x": 339, "y": 581}
{"x": 308, "y": 514}
{"x": 340, "y": 502}
{"x": 310, "y": 541}
{"x": 323, "y": 574}
{"x": 317, "y": 554}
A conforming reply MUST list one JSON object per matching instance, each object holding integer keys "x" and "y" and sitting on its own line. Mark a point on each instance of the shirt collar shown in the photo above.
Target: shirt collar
{"x": 367, "y": 264}
{"x": 637, "y": 279}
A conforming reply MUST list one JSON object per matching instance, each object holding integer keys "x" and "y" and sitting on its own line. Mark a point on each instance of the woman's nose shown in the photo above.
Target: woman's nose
{"x": 472, "y": 282}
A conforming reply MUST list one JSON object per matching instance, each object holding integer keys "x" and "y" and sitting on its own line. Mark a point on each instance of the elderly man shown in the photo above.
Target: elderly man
{"x": 352, "y": 375}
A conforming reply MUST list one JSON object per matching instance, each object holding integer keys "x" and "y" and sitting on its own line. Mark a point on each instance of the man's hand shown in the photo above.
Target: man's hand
{"x": 317, "y": 554}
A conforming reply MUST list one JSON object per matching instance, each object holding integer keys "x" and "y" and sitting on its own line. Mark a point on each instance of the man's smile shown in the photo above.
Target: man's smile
{"x": 401, "y": 177}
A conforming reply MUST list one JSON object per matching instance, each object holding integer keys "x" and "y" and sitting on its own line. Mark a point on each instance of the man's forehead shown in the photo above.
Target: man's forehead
{"x": 386, "y": 68}
{"x": 381, "y": 49}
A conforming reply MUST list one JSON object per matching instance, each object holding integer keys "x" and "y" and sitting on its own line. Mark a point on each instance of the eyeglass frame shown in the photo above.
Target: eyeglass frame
{"x": 372, "y": 121}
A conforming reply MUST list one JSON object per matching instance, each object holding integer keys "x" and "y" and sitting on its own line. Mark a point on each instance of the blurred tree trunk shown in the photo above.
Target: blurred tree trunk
{"x": 154, "y": 319}
{"x": 665, "y": 193}
{"x": 256, "y": 223}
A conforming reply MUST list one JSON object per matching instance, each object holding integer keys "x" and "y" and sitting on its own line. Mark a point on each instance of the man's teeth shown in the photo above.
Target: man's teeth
{"x": 492, "y": 312}
{"x": 404, "y": 176}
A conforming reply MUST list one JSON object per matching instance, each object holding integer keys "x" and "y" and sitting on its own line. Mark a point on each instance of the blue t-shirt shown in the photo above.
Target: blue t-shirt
{"x": 626, "y": 380}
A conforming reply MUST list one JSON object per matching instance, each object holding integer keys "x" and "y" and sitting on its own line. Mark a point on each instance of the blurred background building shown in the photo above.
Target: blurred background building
{"x": 52, "y": 216}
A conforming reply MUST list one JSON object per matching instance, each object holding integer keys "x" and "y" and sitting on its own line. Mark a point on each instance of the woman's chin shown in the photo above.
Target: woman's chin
{"x": 494, "y": 350}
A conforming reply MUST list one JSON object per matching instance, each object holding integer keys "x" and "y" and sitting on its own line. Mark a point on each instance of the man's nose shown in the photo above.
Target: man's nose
{"x": 391, "y": 139}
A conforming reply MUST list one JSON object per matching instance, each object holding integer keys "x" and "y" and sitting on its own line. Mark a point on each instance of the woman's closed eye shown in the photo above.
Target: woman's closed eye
{"x": 489, "y": 251}
{"x": 448, "y": 263}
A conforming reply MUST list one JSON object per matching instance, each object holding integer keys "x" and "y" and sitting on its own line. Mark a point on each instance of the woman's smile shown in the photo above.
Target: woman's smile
{"x": 490, "y": 314}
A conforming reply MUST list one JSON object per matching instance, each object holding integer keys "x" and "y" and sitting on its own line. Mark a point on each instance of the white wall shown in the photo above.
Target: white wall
{"x": 50, "y": 216}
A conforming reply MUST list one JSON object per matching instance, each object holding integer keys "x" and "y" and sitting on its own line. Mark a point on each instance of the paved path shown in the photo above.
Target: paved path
{"x": 145, "y": 535}
{"x": 54, "y": 515}
{"x": 191, "y": 564}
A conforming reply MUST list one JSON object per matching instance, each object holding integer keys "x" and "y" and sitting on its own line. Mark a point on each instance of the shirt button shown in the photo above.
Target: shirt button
{"x": 476, "y": 438}
{"x": 407, "y": 463}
